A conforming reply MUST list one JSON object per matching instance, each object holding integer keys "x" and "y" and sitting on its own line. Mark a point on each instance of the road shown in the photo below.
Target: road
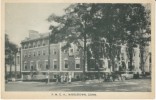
{"x": 133, "y": 85}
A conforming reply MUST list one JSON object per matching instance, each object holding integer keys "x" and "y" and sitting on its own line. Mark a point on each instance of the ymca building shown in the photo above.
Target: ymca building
{"x": 37, "y": 54}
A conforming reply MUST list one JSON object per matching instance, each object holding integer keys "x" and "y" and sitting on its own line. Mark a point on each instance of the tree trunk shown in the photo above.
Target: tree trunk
{"x": 84, "y": 73}
{"x": 112, "y": 57}
{"x": 131, "y": 57}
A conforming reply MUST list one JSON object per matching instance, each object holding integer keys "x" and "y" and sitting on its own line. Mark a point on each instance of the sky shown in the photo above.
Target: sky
{"x": 22, "y": 17}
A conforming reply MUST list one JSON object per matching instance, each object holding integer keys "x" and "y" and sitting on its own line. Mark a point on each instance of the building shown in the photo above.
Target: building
{"x": 35, "y": 56}
{"x": 39, "y": 58}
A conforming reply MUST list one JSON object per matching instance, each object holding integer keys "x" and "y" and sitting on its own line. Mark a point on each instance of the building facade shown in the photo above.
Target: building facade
{"x": 39, "y": 58}
{"x": 37, "y": 55}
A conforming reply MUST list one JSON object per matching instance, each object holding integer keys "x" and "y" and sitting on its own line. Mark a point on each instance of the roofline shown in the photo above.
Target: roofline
{"x": 24, "y": 41}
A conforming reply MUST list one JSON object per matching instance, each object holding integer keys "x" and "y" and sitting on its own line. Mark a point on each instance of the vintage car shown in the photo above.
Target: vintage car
{"x": 127, "y": 75}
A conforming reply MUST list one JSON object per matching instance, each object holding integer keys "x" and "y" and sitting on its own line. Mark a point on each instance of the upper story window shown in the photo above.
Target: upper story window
{"x": 71, "y": 51}
{"x": 18, "y": 59}
{"x": 65, "y": 51}
{"x": 44, "y": 52}
{"x": 34, "y": 53}
{"x": 25, "y": 66}
{"x": 55, "y": 64}
{"x": 46, "y": 64}
{"x": 77, "y": 63}
{"x": 66, "y": 63}
{"x": 31, "y": 65}
{"x": 43, "y": 42}
{"x": 122, "y": 56}
{"x": 29, "y": 54}
{"x": 30, "y": 45}
{"x": 101, "y": 63}
{"x": 92, "y": 63}
{"x": 38, "y": 43}
{"x": 39, "y": 53}
{"x": 54, "y": 52}
{"x": 34, "y": 44}
{"x": 25, "y": 46}
{"x": 77, "y": 49}
{"x": 25, "y": 55}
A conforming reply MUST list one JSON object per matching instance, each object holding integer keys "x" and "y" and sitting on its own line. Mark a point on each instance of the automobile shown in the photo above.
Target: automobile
{"x": 127, "y": 75}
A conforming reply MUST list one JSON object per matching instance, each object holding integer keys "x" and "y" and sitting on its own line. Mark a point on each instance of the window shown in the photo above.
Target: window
{"x": 92, "y": 63}
{"x": 39, "y": 44}
{"x": 25, "y": 66}
{"x": 39, "y": 53}
{"x": 34, "y": 44}
{"x": 25, "y": 46}
{"x": 134, "y": 53}
{"x": 109, "y": 64}
{"x": 44, "y": 53}
{"x": 54, "y": 52}
{"x": 101, "y": 63}
{"x": 18, "y": 60}
{"x": 77, "y": 50}
{"x": 77, "y": 63}
{"x": 55, "y": 76}
{"x": 55, "y": 64}
{"x": 71, "y": 50}
{"x": 40, "y": 66}
{"x": 65, "y": 63}
{"x": 25, "y": 55}
{"x": 30, "y": 46}
{"x": 34, "y": 53}
{"x": 46, "y": 64}
{"x": 29, "y": 54}
{"x": 122, "y": 56}
{"x": 31, "y": 65}
{"x": 65, "y": 51}
{"x": 43, "y": 43}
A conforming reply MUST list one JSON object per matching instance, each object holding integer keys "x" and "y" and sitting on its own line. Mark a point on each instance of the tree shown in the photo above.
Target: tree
{"x": 73, "y": 27}
{"x": 10, "y": 53}
{"x": 121, "y": 24}
{"x": 118, "y": 23}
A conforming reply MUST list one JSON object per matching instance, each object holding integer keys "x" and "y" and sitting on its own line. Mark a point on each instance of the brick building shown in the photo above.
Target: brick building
{"x": 36, "y": 58}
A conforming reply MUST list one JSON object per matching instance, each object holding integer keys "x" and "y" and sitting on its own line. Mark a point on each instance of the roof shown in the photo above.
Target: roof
{"x": 35, "y": 37}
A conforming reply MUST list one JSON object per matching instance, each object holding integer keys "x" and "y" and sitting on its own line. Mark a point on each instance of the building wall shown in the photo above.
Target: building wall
{"x": 35, "y": 57}
{"x": 136, "y": 60}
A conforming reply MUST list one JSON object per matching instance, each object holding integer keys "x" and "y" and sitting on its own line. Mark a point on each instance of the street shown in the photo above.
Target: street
{"x": 133, "y": 85}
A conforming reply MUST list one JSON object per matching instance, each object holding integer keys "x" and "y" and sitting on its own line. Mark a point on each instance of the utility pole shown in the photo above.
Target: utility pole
{"x": 49, "y": 58}
{"x": 15, "y": 66}
{"x": 20, "y": 61}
